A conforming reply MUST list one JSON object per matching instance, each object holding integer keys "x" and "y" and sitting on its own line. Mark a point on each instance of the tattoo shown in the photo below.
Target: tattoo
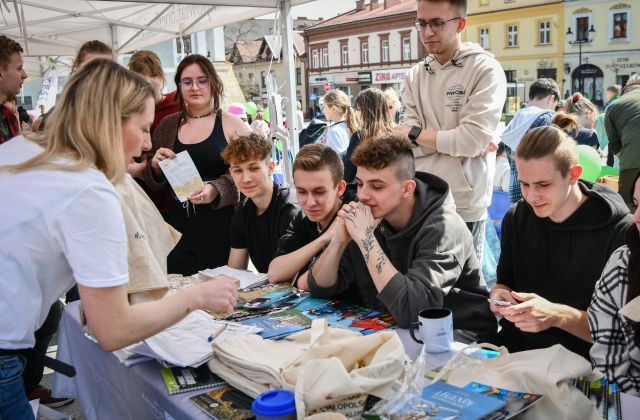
{"x": 367, "y": 242}
{"x": 380, "y": 260}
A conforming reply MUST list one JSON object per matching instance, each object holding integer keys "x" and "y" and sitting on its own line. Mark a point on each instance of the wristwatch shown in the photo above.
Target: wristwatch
{"x": 414, "y": 133}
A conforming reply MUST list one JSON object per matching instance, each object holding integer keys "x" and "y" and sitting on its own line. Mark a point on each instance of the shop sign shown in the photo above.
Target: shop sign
{"x": 364, "y": 77}
{"x": 388, "y": 76}
{"x": 320, "y": 79}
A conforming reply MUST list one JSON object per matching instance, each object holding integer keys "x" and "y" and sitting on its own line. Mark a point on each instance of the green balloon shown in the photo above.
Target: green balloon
{"x": 608, "y": 170}
{"x": 251, "y": 108}
{"x": 267, "y": 117}
{"x": 590, "y": 161}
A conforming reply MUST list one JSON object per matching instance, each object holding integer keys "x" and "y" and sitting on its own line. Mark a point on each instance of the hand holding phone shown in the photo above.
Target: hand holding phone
{"x": 500, "y": 302}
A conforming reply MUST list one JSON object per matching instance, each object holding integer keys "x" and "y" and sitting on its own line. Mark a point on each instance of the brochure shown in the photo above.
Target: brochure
{"x": 278, "y": 325}
{"x": 226, "y": 403}
{"x": 443, "y": 401}
{"x": 182, "y": 175}
{"x": 179, "y": 379}
{"x": 516, "y": 402}
{"x": 352, "y": 317}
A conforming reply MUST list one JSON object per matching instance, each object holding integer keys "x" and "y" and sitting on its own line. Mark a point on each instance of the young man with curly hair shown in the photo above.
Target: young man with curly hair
{"x": 402, "y": 248}
{"x": 266, "y": 212}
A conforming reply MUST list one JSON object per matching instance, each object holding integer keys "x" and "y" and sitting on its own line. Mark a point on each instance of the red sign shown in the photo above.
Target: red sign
{"x": 327, "y": 86}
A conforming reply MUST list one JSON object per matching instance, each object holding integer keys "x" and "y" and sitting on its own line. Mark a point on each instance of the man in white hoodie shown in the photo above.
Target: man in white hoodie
{"x": 453, "y": 101}
{"x": 543, "y": 96}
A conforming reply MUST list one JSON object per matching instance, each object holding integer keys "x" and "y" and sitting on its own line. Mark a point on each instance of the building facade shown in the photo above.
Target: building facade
{"x": 527, "y": 38}
{"x": 374, "y": 44}
{"x": 254, "y": 60}
{"x": 610, "y": 47}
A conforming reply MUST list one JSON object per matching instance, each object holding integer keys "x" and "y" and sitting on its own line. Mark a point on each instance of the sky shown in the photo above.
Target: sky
{"x": 323, "y": 8}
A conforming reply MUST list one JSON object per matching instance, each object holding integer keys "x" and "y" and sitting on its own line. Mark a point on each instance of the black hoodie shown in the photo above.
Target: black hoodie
{"x": 559, "y": 261}
{"x": 436, "y": 263}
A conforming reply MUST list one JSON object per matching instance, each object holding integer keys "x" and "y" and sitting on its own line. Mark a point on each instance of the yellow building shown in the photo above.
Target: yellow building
{"x": 527, "y": 38}
{"x": 610, "y": 47}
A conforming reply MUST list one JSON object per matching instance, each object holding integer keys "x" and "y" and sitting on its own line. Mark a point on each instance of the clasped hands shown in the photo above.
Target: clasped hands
{"x": 529, "y": 312}
{"x": 354, "y": 221}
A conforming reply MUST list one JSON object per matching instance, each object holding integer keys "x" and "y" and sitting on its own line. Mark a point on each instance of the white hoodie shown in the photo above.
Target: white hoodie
{"x": 463, "y": 100}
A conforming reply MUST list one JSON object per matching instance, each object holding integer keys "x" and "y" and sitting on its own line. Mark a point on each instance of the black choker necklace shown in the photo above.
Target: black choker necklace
{"x": 201, "y": 116}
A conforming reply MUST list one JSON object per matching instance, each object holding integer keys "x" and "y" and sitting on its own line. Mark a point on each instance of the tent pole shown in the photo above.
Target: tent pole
{"x": 288, "y": 55}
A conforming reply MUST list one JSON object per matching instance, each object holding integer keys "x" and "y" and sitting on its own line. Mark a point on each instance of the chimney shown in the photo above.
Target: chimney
{"x": 391, "y": 3}
{"x": 359, "y": 5}
{"x": 374, "y": 4}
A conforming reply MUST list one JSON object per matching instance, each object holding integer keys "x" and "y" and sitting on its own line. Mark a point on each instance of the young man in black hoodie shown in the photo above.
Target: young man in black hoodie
{"x": 268, "y": 209}
{"x": 403, "y": 247}
{"x": 554, "y": 246}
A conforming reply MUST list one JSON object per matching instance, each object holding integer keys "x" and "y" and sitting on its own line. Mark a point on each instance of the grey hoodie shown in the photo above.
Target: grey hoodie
{"x": 436, "y": 263}
{"x": 462, "y": 99}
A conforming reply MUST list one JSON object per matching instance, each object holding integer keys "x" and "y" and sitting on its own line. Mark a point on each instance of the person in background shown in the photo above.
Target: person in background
{"x": 548, "y": 262}
{"x": 394, "y": 104}
{"x": 566, "y": 122}
{"x": 612, "y": 93}
{"x": 587, "y": 113}
{"x": 453, "y": 101}
{"x": 501, "y": 180}
{"x": 263, "y": 217}
{"x": 321, "y": 191}
{"x": 88, "y": 51}
{"x": 203, "y": 130}
{"x": 374, "y": 120}
{"x": 73, "y": 231}
{"x": 12, "y": 75}
{"x": 614, "y": 313}
{"x": 260, "y": 126}
{"x": 622, "y": 122}
{"x": 337, "y": 109}
{"x": 300, "y": 116}
{"x": 402, "y": 247}
{"x": 543, "y": 94}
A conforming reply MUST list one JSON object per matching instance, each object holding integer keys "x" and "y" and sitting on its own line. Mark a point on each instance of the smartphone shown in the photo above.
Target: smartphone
{"x": 500, "y": 302}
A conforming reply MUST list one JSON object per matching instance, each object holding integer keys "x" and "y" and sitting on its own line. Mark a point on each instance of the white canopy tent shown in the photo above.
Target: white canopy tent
{"x": 46, "y": 28}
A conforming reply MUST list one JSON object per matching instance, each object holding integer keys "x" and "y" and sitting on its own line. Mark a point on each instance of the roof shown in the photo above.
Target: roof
{"x": 248, "y": 50}
{"x": 367, "y": 13}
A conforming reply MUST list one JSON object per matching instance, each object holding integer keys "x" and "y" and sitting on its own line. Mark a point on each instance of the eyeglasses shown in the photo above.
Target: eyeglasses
{"x": 202, "y": 82}
{"x": 435, "y": 25}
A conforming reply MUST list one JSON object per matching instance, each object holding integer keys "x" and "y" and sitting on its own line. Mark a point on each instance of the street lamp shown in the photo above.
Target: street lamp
{"x": 586, "y": 39}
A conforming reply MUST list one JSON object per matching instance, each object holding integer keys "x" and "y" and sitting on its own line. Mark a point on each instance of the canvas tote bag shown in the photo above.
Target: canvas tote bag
{"x": 322, "y": 365}
{"x": 541, "y": 371}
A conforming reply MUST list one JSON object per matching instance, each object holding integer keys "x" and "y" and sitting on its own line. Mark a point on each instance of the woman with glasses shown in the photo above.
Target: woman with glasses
{"x": 203, "y": 130}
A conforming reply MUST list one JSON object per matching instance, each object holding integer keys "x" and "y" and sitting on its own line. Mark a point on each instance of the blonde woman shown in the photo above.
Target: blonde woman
{"x": 72, "y": 229}
{"x": 337, "y": 109}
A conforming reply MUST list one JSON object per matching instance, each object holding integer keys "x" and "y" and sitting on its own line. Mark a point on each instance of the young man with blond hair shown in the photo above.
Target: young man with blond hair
{"x": 402, "y": 248}
{"x": 452, "y": 102}
{"x": 554, "y": 245}
{"x": 268, "y": 209}
{"x": 317, "y": 175}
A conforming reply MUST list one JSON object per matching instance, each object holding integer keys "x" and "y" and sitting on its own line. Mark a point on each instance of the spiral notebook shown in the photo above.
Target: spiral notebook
{"x": 185, "y": 379}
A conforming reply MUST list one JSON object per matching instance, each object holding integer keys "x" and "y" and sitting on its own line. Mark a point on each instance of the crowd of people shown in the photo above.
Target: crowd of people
{"x": 385, "y": 214}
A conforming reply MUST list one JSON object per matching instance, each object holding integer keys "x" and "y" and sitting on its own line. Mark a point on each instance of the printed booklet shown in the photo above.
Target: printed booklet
{"x": 516, "y": 402}
{"x": 185, "y": 379}
{"x": 226, "y": 403}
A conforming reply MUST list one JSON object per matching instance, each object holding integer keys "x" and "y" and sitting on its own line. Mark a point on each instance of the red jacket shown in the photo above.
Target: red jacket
{"x": 168, "y": 106}
{"x": 9, "y": 125}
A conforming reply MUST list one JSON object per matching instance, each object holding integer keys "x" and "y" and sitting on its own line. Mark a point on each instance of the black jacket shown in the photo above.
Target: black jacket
{"x": 436, "y": 263}
{"x": 559, "y": 261}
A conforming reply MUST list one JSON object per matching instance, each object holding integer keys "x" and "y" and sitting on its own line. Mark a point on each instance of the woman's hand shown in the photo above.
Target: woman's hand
{"x": 205, "y": 195}
{"x": 160, "y": 155}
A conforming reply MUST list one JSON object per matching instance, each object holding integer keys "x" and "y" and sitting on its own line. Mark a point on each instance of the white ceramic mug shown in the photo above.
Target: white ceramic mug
{"x": 435, "y": 329}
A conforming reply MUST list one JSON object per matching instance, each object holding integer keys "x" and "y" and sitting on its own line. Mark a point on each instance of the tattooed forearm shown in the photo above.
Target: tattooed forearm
{"x": 381, "y": 260}
{"x": 367, "y": 242}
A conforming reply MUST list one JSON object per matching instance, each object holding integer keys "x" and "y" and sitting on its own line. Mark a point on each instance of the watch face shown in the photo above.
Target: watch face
{"x": 414, "y": 133}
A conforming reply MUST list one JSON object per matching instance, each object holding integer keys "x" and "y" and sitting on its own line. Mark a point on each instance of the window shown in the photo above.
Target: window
{"x": 186, "y": 41}
{"x": 619, "y": 24}
{"x": 484, "y": 38}
{"x": 385, "y": 51}
{"x": 510, "y": 75}
{"x": 512, "y": 36}
{"x": 365, "y": 53}
{"x": 345, "y": 55}
{"x": 406, "y": 49}
{"x": 263, "y": 79}
{"x": 325, "y": 57}
{"x": 544, "y": 33}
{"x": 315, "y": 61}
{"x": 298, "y": 76}
{"x": 582, "y": 28}
{"x": 250, "y": 76}
{"x": 548, "y": 73}
{"x": 484, "y": 2}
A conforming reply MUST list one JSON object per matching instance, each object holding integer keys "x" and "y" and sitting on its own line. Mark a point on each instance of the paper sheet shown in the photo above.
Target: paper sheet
{"x": 182, "y": 175}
